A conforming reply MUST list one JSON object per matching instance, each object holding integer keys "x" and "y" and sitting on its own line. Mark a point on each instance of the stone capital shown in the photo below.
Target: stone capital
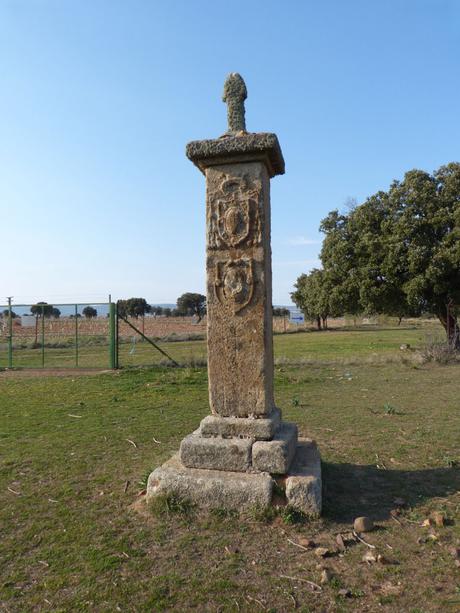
{"x": 232, "y": 149}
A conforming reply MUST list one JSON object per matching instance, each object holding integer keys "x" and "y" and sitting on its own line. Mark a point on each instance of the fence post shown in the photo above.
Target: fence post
{"x": 43, "y": 336}
{"x": 112, "y": 337}
{"x": 10, "y": 335}
{"x": 76, "y": 335}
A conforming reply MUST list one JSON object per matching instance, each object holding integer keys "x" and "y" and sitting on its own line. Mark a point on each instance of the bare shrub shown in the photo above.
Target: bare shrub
{"x": 440, "y": 352}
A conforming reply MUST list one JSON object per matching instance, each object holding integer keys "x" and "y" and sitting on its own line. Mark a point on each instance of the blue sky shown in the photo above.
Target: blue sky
{"x": 99, "y": 98}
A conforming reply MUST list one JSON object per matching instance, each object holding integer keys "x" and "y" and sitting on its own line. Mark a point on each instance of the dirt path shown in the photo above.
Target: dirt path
{"x": 51, "y": 372}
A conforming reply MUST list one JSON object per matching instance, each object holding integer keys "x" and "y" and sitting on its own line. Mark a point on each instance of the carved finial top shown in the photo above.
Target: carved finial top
{"x": 235, "y": 94}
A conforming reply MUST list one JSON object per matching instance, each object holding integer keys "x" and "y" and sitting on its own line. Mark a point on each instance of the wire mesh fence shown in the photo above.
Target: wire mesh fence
{"x": 56, "y": 336}
{"x": 94, "y": 335}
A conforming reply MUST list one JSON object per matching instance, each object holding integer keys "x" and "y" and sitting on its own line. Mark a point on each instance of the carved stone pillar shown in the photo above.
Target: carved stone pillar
{"x": 229, "y": 459}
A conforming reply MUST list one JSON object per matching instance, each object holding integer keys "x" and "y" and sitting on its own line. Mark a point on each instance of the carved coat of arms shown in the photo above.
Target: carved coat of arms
{"x": 234, "y": 217}
{"x": 235, "y": 283}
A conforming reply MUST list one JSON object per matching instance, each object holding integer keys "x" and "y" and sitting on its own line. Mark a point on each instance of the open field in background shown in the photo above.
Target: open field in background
{"x": 338, "y": 343}
{"x": 75, "y": 451}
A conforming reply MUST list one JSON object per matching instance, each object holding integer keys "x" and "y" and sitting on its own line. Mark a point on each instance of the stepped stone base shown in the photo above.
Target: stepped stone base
{"x": 303, "y": 483}
{"x": 212, "y": 489}
{"x": 243, "y": 490}
{"x": 275, "y": 456}
{"x": 241, "y": 453}
{"x": 259, "y": 429}
{"x": 232, "y": 454}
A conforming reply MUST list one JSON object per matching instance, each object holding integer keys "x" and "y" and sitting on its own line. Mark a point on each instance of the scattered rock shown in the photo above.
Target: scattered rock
{"x": 390, "y": 589}
{"x": 421, "y": 540}
{"x": 345, "y": 593}
{"x": 384, "y": 560}
{"x": 426, "y": 523}
{"x": 455, "y": 552}
{"x": 363, "y": 524}
{"x": 438, "y": 519}
{"x": 340, "y": 543}
{"x": 307, "y": 543}
{"x": 326, "y": 576}
{"x": 369, "y": 557}
{"x": 321, "y": 552}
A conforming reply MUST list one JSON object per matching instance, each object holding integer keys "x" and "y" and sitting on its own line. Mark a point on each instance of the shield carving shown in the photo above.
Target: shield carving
{"x": 233, "y": 220}
{"x": 235, "y": 283}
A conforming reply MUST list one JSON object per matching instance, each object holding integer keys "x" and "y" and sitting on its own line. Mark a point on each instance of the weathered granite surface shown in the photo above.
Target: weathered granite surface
{"x": 211, "y": 488}
{"x": 303, "y": 483}
{"x": 215, "y": 453}
{"x": 228, "y": 461}
{"x": 243, "y": 147}
{"x": 260, "y": 429}
{"x": 239, "y": 306}
{"x": 235, "y": 94}
{"x": 275, "y": 456}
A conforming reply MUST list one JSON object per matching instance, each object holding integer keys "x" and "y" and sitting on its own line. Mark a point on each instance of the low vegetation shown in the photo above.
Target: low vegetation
{"x": 76, "y": 451}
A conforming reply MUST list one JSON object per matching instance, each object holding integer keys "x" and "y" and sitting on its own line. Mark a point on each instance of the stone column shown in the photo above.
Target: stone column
{"x": 243, "y": 441}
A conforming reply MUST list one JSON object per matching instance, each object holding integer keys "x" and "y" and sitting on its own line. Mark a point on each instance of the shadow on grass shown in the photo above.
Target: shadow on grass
{"x": 350, "y": 490}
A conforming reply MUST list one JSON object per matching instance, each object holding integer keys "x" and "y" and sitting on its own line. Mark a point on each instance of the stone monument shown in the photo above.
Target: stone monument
{"x": 233, "y": 459}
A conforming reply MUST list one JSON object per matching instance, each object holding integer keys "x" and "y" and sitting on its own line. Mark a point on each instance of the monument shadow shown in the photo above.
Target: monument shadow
{"x": 351, "y": 490}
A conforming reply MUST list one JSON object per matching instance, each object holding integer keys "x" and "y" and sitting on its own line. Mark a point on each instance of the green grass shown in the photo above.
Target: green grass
{"x": 71, "y": 539}
{"x": 333, "y": 345}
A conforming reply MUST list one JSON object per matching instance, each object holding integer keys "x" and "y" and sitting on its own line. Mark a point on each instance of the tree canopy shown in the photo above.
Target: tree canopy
{"x": 280, "y": 312}
{"x": 43, "y": 309}
{"x": 89, "y": 312}
{"x": 133, "y": 307}
{"x": 192, "y": 304}
{"x": 398, "y": 253}
{"x": 318, "y": 297}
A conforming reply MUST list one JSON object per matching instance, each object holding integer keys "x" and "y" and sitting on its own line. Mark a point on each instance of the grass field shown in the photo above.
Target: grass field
{"x": 75, "y": 451}
{"x": 335, "y": 345}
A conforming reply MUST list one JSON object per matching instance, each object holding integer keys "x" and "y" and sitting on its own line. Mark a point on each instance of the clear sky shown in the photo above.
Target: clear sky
{"x": 99, "y": 97}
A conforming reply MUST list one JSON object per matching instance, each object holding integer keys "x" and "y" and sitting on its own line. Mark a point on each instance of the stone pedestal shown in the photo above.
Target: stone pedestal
{"x": 229, "y": 460}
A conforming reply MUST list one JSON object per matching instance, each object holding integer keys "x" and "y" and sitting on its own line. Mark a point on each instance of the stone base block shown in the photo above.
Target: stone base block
{"x": 233, "y": 454}
{"x": 303, "y": 483}
{"x": 275, "y": 456}
{"x": 211, "y": 488}
{"x": 259, "y": 429}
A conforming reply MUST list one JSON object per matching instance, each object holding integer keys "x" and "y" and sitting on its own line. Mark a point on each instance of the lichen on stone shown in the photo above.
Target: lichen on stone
{"x": 235, "y": 93}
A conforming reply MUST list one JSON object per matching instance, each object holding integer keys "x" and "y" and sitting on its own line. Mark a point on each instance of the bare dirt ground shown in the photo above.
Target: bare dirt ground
{"x": 51, "y": 372}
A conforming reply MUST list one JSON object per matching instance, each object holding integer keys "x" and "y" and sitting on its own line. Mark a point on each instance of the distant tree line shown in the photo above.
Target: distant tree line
{"x": 280, "y": 312}
{"x": 188, "y": 304}
{"x": 396, "y": 254}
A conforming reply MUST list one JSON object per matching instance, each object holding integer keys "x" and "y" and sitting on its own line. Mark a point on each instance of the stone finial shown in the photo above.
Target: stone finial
{"x": 235, "y": 94}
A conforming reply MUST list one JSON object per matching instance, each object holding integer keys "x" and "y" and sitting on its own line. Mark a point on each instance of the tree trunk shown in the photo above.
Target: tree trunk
{"x": 450, "y": 325}
{"x": 399, "y": 321}
{"x": 324, "y": 322}
{"x": 318, "y": 322}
